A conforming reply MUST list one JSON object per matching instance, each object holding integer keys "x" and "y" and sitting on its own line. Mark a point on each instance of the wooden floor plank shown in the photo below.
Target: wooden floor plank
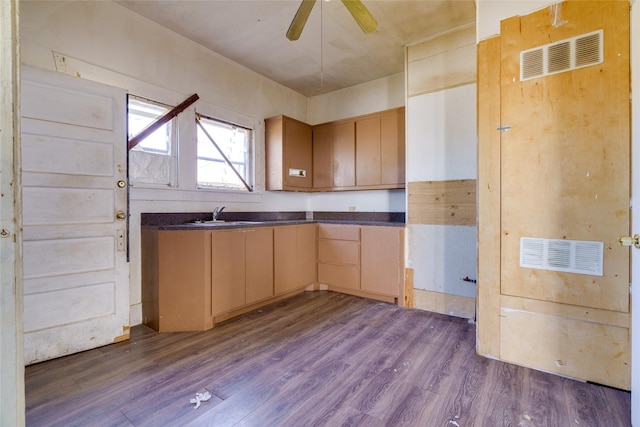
{"x": 316, "y": 359}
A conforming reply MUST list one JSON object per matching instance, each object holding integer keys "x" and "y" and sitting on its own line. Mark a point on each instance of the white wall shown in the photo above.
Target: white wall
{"x": 377, "y": 95}
{"x": 106, "y": 42}
{"x": 441, "y": 130}
{"x": 442, "y": 145}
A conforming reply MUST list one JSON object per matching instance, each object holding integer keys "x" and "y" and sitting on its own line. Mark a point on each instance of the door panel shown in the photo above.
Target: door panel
{"x": 344, "y": 154}
{"x": 76, "y": 284}
{"x": 259, "y": 264}
{"x": 565, "y": 159}
{"x": 368, "y": 151}
{"x": 565, "y": 171}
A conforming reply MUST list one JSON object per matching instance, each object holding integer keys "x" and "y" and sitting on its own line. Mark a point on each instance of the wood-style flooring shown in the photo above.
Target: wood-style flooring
{"x": 317, "y": 359}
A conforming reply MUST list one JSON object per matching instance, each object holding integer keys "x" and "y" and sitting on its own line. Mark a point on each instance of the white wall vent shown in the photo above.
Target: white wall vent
{"x": 569, "y": 54}
{"x": 571, "y": 256}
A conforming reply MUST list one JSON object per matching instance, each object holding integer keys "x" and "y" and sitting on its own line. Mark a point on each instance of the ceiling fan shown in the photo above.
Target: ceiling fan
{"x": 363, "y": 17}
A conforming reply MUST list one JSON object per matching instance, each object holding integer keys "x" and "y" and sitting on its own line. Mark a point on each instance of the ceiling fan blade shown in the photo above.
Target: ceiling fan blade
{"x": 361, "y": 14}
{"x": 295, "y": 29}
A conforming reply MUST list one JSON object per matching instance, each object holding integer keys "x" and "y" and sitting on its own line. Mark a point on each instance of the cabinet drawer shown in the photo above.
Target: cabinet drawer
{"x": 339, "y": 232}
{"x": 342, "y": 276}
{"x": 339, "y": 252}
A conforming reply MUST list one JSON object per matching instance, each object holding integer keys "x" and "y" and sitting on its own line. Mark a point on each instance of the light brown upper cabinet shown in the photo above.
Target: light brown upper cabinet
{"x": 334, "y": 153}
{"x": 380, "y": 150}
{"x": 289, "y": 158}
{"x": 359, "y": 153}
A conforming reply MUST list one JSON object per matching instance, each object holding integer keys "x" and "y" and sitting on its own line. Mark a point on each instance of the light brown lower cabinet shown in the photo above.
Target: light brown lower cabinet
{"x": 192, "y": 278}
{"x": 294, "y": 257}
{"x": 259, "y": 264}
{"x": 176, "y": 280}
{"x": 365, "y": 259}
{"x": 339, "y": 256}
{"x": 241, "y": 267}
{"x": 382, "y": 260}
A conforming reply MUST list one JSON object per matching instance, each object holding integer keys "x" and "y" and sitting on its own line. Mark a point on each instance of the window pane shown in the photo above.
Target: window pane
{"x": 235, "y": 143}
{"x": 141, "y": 115}
{"x": 151, "y": 161}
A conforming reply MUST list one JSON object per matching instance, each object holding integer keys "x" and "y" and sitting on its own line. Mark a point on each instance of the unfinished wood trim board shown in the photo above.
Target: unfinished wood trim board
{"x": 488, "y": 290}
{"x": 408, "y": 288}
{"x": 452, "y": 305}
{"x": 442, "y": 202}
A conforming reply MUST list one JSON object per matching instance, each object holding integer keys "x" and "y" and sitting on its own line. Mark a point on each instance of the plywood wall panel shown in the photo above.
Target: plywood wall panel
{"x": 591, "y": 351}
{"x": 442, "y": 202}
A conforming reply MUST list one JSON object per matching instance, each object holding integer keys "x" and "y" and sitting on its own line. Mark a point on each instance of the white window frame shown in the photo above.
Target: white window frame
{"x": 171, "y": 156}
{"x": 250, "y": 163}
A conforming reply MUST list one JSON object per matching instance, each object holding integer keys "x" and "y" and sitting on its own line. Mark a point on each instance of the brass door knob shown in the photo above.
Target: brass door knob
{"x": 121, "y": 215}
{"x": 628, "y": 241}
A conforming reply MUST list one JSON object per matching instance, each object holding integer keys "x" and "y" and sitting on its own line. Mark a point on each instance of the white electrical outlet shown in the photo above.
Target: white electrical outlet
{"x": 300, "y": 173}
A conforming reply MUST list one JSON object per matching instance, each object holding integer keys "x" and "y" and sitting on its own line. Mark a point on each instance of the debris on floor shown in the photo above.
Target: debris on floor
{"x": 200, "y": 397}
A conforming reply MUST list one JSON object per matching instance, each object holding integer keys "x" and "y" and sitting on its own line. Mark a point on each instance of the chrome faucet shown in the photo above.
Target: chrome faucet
{"x": 217, "y": 211}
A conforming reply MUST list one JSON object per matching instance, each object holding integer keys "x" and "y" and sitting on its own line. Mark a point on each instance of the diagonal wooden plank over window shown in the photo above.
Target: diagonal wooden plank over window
{"x": 162, "y": 120}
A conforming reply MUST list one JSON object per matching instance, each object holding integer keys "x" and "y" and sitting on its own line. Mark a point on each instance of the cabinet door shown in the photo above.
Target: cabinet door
{"x": 284, "y": 258}
{"x": 183, "y": 282}
{"x": 288, "y": 145}
{"x": 392, "y": 147}
{"x": 368, "y": 151}
{"x": 294, "y": 257}
{"x": 323, "y": 156}
{"x": 259, "y": 264}
{"x": 381, "y": 262}
{"x": 306, "y": 254}
{"x": 298, "y": 153}
{"x": 227, "y": 270}
{"x": 344, "y": 154}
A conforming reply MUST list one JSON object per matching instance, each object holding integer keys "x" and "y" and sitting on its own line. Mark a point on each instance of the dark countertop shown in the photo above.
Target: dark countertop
{"x": 185, "y": 221}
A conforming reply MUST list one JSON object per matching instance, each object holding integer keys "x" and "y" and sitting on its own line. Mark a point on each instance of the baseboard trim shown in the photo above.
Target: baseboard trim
{"x": 452, "y": 305}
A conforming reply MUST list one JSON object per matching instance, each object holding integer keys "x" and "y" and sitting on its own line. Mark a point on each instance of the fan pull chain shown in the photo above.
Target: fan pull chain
{"x": 321, "y": 46}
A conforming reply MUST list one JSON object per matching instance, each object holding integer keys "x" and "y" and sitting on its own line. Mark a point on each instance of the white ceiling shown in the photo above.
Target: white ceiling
{"x": 332, "y": 52}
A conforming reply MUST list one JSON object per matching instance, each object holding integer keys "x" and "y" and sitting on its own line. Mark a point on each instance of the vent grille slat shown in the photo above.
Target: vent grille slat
{"x": 571, "y": 256}
{"x": 532, "y": 64}
{"x": 566, "y": 55}
{"x": 588, "y": 50}
{"x": 559, "y": 57}
{"x": 559, "y": 254}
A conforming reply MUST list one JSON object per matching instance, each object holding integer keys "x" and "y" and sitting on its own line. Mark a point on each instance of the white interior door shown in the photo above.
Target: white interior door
{"x": 76, "y": 276}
